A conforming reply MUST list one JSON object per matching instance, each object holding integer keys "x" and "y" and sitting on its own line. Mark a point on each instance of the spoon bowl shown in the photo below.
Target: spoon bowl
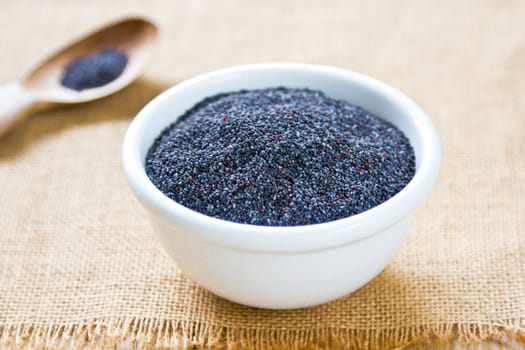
{"x": 135, "y": 37}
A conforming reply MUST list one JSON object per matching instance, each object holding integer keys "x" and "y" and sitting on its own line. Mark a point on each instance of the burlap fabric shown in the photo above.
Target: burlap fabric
{"x": 80, "y": 265}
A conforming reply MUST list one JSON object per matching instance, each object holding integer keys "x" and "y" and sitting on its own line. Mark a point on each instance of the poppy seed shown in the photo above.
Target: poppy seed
{"x": 280, "y": 157}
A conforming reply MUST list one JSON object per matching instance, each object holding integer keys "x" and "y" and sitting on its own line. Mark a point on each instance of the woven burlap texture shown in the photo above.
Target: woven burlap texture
{"x": 80, "y": 264}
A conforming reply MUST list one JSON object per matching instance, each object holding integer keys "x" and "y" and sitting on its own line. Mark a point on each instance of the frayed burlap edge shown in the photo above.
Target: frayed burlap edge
{"x": 152, "y": 333}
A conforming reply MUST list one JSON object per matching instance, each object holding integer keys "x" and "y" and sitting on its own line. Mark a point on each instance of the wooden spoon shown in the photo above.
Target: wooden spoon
{"x": 133, "y": 36}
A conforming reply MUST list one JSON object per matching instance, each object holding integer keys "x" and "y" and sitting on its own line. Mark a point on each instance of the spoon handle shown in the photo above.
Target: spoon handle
{"x": 14, "y": 99}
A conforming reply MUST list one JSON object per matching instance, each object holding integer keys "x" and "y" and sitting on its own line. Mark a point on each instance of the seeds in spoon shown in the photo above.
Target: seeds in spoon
{"x": 97, "y": 69}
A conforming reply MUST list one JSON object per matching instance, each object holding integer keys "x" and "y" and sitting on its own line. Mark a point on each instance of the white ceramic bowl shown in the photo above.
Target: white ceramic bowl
{"x": 283, "y": 267}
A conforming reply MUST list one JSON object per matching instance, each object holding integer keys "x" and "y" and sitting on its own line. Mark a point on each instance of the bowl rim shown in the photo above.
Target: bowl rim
{"x": 284, "y": 238}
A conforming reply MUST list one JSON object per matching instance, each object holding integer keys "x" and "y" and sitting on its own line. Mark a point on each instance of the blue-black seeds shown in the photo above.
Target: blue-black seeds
{"x": 280, "y": 157}
{"x": 94, "y": 70}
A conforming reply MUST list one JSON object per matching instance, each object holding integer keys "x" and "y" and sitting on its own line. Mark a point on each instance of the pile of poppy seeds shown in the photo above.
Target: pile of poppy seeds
{"x": 280, "y": 157}
{"x": 94, "y": 70}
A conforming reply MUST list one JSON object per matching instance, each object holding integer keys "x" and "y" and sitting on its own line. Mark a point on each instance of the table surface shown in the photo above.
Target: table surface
{"x": 463, "y": 62}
